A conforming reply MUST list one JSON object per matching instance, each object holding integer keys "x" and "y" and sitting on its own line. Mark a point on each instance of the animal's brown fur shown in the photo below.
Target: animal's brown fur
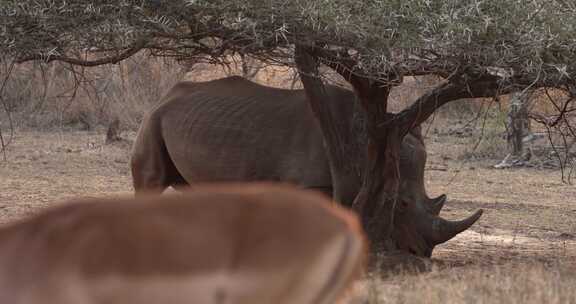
{"x": 218, "y": 244}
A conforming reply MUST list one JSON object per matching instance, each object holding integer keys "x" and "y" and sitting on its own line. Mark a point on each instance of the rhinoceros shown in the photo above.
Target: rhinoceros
{"x": 234, "y": 130}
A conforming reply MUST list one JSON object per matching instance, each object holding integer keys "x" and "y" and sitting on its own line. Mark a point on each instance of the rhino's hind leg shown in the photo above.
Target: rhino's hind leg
{"x": 153, "y": 170}
{"x": 148, "y": 180}
{"x": 151, "y": 177}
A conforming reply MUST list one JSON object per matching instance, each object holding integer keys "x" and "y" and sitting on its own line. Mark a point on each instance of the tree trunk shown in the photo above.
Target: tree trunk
{"x": 517, "y": 129}
{"x": 410, "y": 226}
{"x": 376, "y": 200}
{"x": 518, "y": 123}
{"x": 249, "y": 67}
{"x": 113, "y": 132}
{"x": 377, "y": 197}
{"x": 344, "y": 179}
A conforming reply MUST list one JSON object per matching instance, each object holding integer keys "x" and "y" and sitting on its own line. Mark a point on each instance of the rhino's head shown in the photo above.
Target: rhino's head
{"x": 418, "y": 226}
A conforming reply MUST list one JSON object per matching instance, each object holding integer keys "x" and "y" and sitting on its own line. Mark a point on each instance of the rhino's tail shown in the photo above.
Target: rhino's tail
{"x": 153, "y": 170}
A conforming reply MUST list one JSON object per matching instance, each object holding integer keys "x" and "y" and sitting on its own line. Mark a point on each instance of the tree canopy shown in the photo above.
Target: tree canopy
{"x": 527, "y": 42}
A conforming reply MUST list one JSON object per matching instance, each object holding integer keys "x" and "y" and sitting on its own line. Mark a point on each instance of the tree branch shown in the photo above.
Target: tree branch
{"x": 426, "y": 105}
{"x": 319, "y": 101}
{"x": 135, "y": 48}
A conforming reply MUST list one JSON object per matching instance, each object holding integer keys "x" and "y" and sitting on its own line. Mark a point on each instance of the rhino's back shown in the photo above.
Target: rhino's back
{"x": 234, "y": 130}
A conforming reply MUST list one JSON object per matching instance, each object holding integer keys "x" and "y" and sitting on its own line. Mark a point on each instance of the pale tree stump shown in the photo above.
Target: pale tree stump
{"x": 113, "y": 132}
{"x": 518, "y": 131}
{"x": 250, "y": 67}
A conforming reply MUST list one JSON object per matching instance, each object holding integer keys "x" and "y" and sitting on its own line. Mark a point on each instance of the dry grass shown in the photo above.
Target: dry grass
{"x": 521, "y": 284}
{"x": 44, "y": 168}
{"x": 57, "y": 96}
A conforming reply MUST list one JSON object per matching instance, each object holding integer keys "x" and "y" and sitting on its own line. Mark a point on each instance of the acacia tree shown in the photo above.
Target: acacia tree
{"x": 480, "y": 48}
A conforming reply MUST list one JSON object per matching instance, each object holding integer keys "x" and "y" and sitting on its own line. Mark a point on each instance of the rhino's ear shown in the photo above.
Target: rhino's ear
{"x": 435, "y": 204}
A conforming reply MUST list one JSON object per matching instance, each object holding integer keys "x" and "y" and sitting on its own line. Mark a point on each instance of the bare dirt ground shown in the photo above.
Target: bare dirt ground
{"x": 529, "y": 214}
{"x": 47, "y": 168}
{"x": 529, "y": 219}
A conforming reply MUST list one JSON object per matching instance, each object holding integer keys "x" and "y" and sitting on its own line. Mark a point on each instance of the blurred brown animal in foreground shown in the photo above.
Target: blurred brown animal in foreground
{"x": 235, "y": 243}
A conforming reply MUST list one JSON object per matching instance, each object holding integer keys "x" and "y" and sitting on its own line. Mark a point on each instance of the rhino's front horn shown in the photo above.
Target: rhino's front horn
{"x": 443, "y": 230}
{"x": 435, "y": 204}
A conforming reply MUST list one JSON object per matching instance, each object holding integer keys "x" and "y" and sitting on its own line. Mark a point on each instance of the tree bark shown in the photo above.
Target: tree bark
{"x": 113, "y": 132}
{"x": 375, "y": 195}
{"x": 518, "y": 123}
{"x": 376, "y": 200}
{"x": 517, "y": 128}
{"x": 428, "y": 103}
{"x": 249, "y": 67}
{"x": 343, "y": 175}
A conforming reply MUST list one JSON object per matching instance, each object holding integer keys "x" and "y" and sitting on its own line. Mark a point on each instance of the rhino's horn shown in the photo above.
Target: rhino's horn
{"x": 435, "y": 204}
{"x": 443, "y": 230}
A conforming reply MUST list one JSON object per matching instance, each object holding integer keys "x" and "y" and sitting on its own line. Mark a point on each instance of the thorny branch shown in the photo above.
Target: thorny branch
{"x": 135, "y": 48}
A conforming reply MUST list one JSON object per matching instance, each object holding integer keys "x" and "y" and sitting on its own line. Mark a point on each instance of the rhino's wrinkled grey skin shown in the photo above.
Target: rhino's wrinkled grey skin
{"x": 231, "y": 130}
